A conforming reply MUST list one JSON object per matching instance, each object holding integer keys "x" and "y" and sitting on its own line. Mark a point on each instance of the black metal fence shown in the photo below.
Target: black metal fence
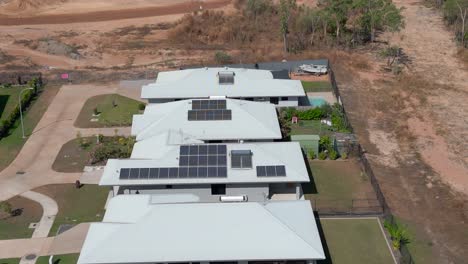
{"x": 352, "y": 207}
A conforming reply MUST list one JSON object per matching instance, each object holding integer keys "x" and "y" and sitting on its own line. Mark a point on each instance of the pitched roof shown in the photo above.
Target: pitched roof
{"x": 153, "y": 153}
{"x": 250, "y": 120}
{"x": 134, "y": 230}
{"x": 203, "y": 83}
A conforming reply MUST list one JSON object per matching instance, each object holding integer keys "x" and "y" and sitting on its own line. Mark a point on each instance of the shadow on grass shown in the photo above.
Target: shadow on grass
{"x": 3, "y": 102}
{"x": 327, "y": 259}
{"x": 309, "y": 187}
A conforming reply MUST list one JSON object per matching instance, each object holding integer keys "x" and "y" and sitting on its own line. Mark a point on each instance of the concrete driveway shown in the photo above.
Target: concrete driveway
{"x": 35, "y": 160}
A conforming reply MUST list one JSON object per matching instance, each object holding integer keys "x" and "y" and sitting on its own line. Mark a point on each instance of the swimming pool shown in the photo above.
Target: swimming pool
{"x": 317, "y": 101}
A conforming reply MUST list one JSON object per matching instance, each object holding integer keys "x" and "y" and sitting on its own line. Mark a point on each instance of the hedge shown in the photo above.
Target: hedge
{"x": 26, "y": 100}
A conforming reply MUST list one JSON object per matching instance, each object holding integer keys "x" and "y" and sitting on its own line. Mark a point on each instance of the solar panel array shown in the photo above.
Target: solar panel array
{"x": 208, "y": 104}
{"x": 271, "y": 171}
{"x": 241, "y": 159}
{"x": 209, "y": 115}
{"x": 206, "y": 110}
{"x": 195, "y": 161}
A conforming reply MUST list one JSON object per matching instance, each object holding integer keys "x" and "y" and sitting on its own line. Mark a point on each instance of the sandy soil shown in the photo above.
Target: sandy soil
{"x": 414, "y": 128}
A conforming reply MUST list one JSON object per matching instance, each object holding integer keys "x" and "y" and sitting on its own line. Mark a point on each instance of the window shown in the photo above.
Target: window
{"x": 218, "y": 189}
{"x": 168, "y": 186}
{"x": 284, "y": 98}
{"x": 274, "y": 100}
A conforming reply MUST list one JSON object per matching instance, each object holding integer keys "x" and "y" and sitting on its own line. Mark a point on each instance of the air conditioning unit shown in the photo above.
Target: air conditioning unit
{"x": 232, "y": 199}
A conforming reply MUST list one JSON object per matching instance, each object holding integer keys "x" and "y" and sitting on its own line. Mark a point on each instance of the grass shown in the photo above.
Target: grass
{"x": 76, "y": 205}
{"x": 317, "y": 86}
{"x": 11, "y": 145}
{"x": 59, "y": 259}
{"x": 9, "y": 99}
{"x": 355, "y": 241}
{"x": 336, "y": 183}
{"x": 109, "y": 115}
{"x": 10, "y": 261}
{"x": 73, "y": 158}
{"x": 14, "y": 227}
{"x": 310, "y": 127}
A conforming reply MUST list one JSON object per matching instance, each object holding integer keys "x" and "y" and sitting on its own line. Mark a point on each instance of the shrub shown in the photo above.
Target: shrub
{"x": 5, "y": 208}
{"x": 95, "y": 111}
{"x": 222, "y": 57}
{"x": 344, "y": 155}
{"x": 338, "y": 118}
{"x": 8, "y": 122}
{"x": 141, "y": 106}
{"x": 333, "y": 155}
{"x": 311, "y": 154}
{"x": 325, "y": 143}
{"x": 397, "y": 233}
{"x": 322, "y": 155}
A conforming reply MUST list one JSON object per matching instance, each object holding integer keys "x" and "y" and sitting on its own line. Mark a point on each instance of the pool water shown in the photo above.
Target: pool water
{"x": 317, "y": 101}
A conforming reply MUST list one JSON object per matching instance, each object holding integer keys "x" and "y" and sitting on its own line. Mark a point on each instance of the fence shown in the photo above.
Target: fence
{"x": 352, "y": 207}
{"x": 405, "y": 256}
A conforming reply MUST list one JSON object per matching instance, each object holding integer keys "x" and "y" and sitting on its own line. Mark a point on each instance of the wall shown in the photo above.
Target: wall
{"x": 255, "y": 192}
{"x": 292, "y": 101}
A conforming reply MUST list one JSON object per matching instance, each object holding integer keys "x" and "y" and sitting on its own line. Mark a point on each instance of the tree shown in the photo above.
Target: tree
{"x": 462, "y": 14}
{"x": 257, "y": 7}
{"x": 285, "y": 14}
{"x": 338, "y": 10}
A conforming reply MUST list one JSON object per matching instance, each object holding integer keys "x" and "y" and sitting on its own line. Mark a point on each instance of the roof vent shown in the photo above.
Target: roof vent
{"x": 226, "y": 77}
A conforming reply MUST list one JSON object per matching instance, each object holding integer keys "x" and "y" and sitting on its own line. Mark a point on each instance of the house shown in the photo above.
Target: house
{"x": 175, "y": 163}
{"x": 210, "y": 120}
{"x": 165, "y": 229}
{"x": 246, "y": 84}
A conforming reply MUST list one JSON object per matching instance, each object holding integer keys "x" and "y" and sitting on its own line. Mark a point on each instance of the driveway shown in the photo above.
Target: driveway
{"x": 33, "y": 165}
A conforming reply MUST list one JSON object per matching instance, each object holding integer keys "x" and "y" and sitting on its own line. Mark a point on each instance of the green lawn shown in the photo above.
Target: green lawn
{"x": 11, "y": 145}
{"x": 336, "y": 183}
{"x": 109, "y": 115}
{"x": 76, "y": 205}
{"x": 9, "y": 99}
{"x": 318, "y": 86}
{"x": 13, "y": 227}
{"x": 357, "y": 241}
{"x": 59, "y": 259}
{"x": 310, "y": 127}
{"x": 10, "y": 261}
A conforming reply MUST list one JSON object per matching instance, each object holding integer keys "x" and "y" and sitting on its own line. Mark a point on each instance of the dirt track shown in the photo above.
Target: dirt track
{"x": 112, "y": 14}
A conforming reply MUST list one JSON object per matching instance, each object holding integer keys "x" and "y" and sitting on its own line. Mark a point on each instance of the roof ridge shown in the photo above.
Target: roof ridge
{"x": 288, "y": 227}
{"x": 239, "y": 103}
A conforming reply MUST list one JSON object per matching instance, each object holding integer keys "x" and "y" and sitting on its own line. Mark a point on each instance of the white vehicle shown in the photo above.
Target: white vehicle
{"x": 313, "y": 69}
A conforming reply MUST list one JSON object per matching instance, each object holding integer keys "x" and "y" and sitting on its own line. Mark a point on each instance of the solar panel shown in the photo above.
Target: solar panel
{"x": 124, "y": 173}
{"x": 209, "y": 115}
{"x": 241, "y": 159}
{"x": 144, "y": 173}
{"x": 271, "y": 171}
{"x": 208, "y": 104}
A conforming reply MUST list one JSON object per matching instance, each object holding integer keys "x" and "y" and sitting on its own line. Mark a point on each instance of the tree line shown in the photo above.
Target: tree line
{"x": 332, "y": 22}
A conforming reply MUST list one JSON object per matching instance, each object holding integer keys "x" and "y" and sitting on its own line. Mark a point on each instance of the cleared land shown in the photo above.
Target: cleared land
{"x": 59, "y": 259}
{"x": 339, "y": 185}
{"x": 356, "y": 241}
{"x": 85, "y": 204}
{"x": 113, "y": 109}
{"x": 11, "y": 145}
{"x": 18, "y": 226}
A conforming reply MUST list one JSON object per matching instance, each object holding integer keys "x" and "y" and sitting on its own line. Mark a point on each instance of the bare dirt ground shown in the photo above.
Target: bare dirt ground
{"x": 414, "y": 128}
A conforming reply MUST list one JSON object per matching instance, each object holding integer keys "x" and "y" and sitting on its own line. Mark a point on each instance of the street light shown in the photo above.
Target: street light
{"x": 21, "y": 112}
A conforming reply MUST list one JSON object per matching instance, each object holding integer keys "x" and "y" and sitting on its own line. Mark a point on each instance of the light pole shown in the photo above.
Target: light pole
{"x": 21, "y": 111}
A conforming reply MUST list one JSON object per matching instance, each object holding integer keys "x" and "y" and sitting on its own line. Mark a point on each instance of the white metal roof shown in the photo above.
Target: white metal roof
{"x": 203, "y": 83}
{"x": 136, "y": 231}
{"x": 153, "y": 153}
{"x": 250, "y": 120}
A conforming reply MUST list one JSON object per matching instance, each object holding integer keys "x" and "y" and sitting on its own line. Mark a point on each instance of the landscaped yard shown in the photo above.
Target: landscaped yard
{"x": 339, "y": 185}
{"x": 358, "y": 240}
{"x": 76, "y": 205}
{"x": 8, "y": 99}
{"x": 113, "y": 110}
{"x": 10, "y": 261}
{"x": 59, "y": 259}
{"x": 73, "y": 156}
{"x": 11, "y": 145}
{"x": 316, "y": 86}
{"x": 310, "y": 127}
{"x": 18, "y": 226}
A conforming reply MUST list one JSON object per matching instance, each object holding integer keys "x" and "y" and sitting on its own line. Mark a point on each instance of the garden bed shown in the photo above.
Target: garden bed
{"x": 112, "y": 110}
{"x": 85, "y": 204}
{"x": 59, "y": 259}
{"x": 80, "y": 152}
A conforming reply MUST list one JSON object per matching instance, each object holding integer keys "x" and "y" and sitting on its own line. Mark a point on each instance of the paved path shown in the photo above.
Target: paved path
{"x": 49, "y": 211}
{"x": 53, "y": 130}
